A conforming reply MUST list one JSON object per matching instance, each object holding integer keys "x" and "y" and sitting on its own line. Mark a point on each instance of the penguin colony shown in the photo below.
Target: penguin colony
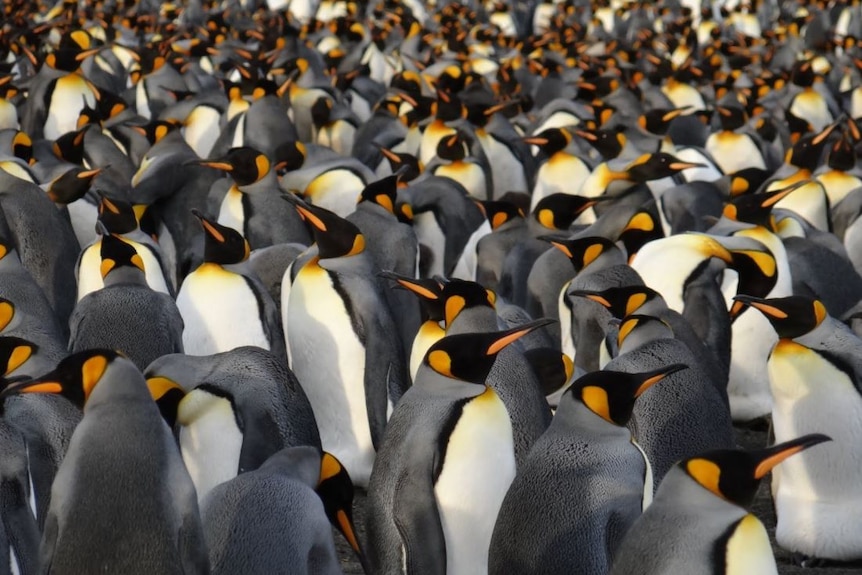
{"x": 513, "y": 269}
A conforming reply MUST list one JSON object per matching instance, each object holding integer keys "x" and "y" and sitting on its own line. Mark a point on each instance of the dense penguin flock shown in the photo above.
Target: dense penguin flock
{"x": 511, "y": 269}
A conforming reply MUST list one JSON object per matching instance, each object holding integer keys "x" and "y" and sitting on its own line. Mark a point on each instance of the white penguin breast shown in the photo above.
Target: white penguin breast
{"x": 232, "y": 213}
{"x": 71, "y": 93}
{"x": 838, "y": 185}
{"x": 810, "y": 105}
{"x": 329, "y": 361}
{"x": 734, "y": 152}
{"x": 748, "y": 549}
{"x": 220, "y": 312}
{"x": 239, "y": 133}
{"x": 469, "y": 175}
{"x": 338, "y": 136}
{"x": 465, "y": 269}
{"x": 562, "y": 173}
{"x": 809, "y": 201}
{"x": 336, "y": 190}
{"x": 8, "y": 115}
{"x": 142, "y": 101}
{"x": 202, "y": 130}
{"x": 507, "y": 171}
{"x": 210, "y": 440}
{"x": 478, "y": 469}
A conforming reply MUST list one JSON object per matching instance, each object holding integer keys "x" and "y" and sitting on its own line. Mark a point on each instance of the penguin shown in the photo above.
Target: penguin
{"x": 19, "y": 535}
{"x": 700, "y": 511}
{"x": 334, "y": 298}
{"x": 496, "y": 213}
{"x": 143, "y": 487}
{"x": 118, "y": 217}
{"x": 561, "y": 171}
{"x": 22, "y": 358}
{"x": 689, "y": 413}
{"x": 223, "y": 305}
{"x": 453, "y": 160}
{"x": 277, "y": 517}
{"x": 585, "y": 477}
{"x": 252, "y": 204}
{"x": 126, "y": 314}
{"x": 733, "y": 148}
{"x": 447, "y": 459}
{"x": 815, "y": 376}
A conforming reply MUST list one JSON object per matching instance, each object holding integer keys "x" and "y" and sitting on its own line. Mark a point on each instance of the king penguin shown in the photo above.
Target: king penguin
{"x": 698, "y": 522}
{"x": 342, "y": 340}
{"x": 585, "y": 477}
{"x": 122, "y": 482}
{"x": 224, "y": 306}
{"x": 447, "y": 459}
{"x": 815, "y": 375}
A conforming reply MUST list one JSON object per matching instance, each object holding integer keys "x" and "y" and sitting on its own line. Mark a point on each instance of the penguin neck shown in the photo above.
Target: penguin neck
{"x": 438, "y": 385}
{"x": 645, "y": 335}
{"x": 473, "y": 319}
{"x": 265, "y": 184}
{"x": 576, "y": 419}
{"x": 125, "y": 275}
{"x": 677, "y": 490}
{"x": 301, "y": 463}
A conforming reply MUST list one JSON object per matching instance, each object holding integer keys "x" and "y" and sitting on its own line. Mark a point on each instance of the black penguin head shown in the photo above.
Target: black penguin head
{"x": 72, "y": 185}
{"x": 499, "y": 212}
{"x": 558, "y": 211}
{"x": 75, "y": 377}
{"x": 842, "y": 155}
{"x": 806, "y": 152}
{"x": 290, "y": 156}
{"x": 747, "y": 181}
{"x": 448, "y": 107}
{"x": 14, "y": 352}
{"x": 657, "y": 166}
{"x": 167, "y": 394}
{"x": 611, "y": 394}
{"x": 758, "y": 274}
{"x": 458, "y": 295}
{"x": 74, "y": 47}
{"x": 609, "y": 143}
{"x": 117, "y": 254}
{"x": 335, "y": 489}
{"x": 383, "y": 192}
{"x": 552, "y": 368}
{"x": 620, "y": 301}
{"x": 70, "y": 147}
{"x": 428, "y": 290}
{"x": 407, "y": 165}
{"x": 245, "y": 165}
{"x": 452, "y": 148}
{"x": 757, "y": 208}
{"x": 731, "y": 117}
{"x": 22, "y": 147}
{"x": 117, "y": 216}
{"x": 803, "y": 74}
{"x": 110, "y": 105}
{"x": 582, "y": 251}
{"x": 335, "y": 236}
{"x": 222, "y": 245}
{"x": 321, "y": 111}
{"x": 734, "y": 474}
{"x": 551, "y": 141}
{"x": 658, "y": 121}
{"x": 640, "y": 229}
{"x": 157, "y": 130}
{"x": 469, "y": 357}
{"x": 792, "y": 316}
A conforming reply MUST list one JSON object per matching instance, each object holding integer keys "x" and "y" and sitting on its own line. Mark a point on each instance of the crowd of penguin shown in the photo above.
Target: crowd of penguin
{"x": 512, "y": 268}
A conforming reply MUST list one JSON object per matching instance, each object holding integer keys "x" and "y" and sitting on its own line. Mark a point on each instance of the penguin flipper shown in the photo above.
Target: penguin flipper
{"x": 49, "y": 543}
{"x": 20, "y": 526}
{"x": 415, "y": 511}
{"x": 261, "y": 439}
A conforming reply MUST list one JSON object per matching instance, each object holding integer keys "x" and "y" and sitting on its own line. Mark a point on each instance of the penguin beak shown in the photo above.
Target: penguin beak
{"x": 409, "y": 284}
{"x": 90, "y": 173}
{"x": 86, "y": 54}
{"x": 680, "y": 166}
{"x": 208, "y": 227}
{"x": 213, "y": 164}
{"x": 512, "y": 335}
{"x": 390, "y": 155}
{"x": 657, "y": 377}
{"x": 42, "y": 385}
{"x": 535, "y": 141}
{"x": 771, "y": 457}
{"x": 775, "y": 197}
{"x": 590, "y": 137}
{"x": 591, "y": 296}
{"x": 761, "y": 305}
{"x": 713, "y": 248}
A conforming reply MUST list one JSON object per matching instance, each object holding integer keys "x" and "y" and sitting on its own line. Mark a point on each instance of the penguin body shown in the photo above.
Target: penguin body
{"x": 121, "y": 424}
{"x": 335, "y": 296}
{"x": 19, "y": 535}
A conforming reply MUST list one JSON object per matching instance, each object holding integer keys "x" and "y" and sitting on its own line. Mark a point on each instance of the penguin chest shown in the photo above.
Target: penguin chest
{"x": 809, "y": 104}
{"x": 684, "y": 96}
{"x": 71, "y": 93}
{"x": 210, "y": 440}
{"x": 469, "y": 175}
{"x": 220, "y": 312}
{"x": 8, "y": 115}
{"x": 562, "y": 173}
{"x": 336, "y": 190}
{"x": 809, "y": 201}
{"x": 748, "y": 549}
{"x": 734, "y": 152}
{"x": 478, "y": 468}
{"x": 838, "y": 185}
{"x": 232, "y": 211}
{"x": 328, "y": 358}
{"x": 202, "y": 130}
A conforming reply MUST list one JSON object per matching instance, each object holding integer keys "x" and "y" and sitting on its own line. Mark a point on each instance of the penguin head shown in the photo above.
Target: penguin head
{"x": 734, "y": 474}
{"x": 640, "y": 229}
{"x": 458, "y": 295}
{"x": 469, "y": 357}
{"x": 290, "y": 156}
{"x": 22, "y": 147}
{"x": 452, "y": 148}
{"x": 407, "y": 165}
{"x": 167, "y": 394}
{"x": 842, "y": 155}
{"x": 222, "y": 245}
{"x": 321, "y": 111}
{"x": 75, "y": 378}
{"x": 72, "y": 185}
{"x": 803, "y": 74}
{"x": 607, "y": 142}
{"x": 583, "y": 251}
{"x": 335, "y": 236}
{"x": 14, "y": 352}
{"x": 335, "y": 489}
{"x": 747, "y": 180}
{"x": 758, "y": 274}
{"x": 657, "y": 166}
{"x": 157, "y": 130}
{"x": 757, "y": 208}
{"x": 657, "y": 121}
{"x": 552, "y": 368}
{"x": 620, "y": 301}
{"x": 558, "y": 211}
{"x": 74, "y": 48}
{"x": 806, "y": 152}
{"x": 117, "y": 216}
{"x": 611, "y": 394}
{"x": 499, "y": 212}
{"x": 110, "y": 105}
{"x": 383, "y": 192}
{"x": 70, "y": 147}
{"x": 117, "y": 254}
{"x": 551, "y": 141}
{"x": 448, "y": 107}
{"x": 245, "y": 165}
{"x": 791, "y": 317}
{"x": 731, "y": 117}
{"x": 637, "y": 329}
